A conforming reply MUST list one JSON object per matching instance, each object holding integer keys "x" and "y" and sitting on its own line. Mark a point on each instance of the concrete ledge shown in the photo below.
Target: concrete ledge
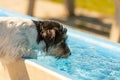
{"x": 27, "y": 70}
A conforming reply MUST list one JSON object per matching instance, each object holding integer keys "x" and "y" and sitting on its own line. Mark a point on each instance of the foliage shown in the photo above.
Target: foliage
{"x": 103, "y": 6}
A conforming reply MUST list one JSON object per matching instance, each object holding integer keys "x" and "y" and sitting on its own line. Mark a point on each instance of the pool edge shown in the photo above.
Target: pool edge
{"x": 28, "y": 70}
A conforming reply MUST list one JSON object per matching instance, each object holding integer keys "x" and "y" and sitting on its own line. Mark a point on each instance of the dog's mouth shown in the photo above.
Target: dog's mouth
{"x": 60, "y": 56}
{"x": 63, "y": 56}
{"x": 59, "y": 52}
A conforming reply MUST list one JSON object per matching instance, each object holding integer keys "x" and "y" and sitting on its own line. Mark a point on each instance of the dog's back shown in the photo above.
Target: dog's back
{"x": 14, "y": 34}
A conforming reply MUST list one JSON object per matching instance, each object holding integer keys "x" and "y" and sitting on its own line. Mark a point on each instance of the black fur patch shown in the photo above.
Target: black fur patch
{"x": 38, "y": 27}
{"x": 50, "y": 31}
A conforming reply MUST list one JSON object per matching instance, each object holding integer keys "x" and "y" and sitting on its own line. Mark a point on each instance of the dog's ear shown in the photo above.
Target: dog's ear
{"x": 49, "y": 37}
{"x": 49, "y": 34}
{"x": 49, "y": 30}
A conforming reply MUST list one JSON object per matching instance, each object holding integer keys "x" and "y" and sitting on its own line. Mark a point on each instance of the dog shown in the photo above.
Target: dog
{"x": 19, "y": 35}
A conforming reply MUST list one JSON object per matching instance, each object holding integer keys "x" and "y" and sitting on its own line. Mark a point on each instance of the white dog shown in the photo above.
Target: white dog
{"x": 19, "y": 35}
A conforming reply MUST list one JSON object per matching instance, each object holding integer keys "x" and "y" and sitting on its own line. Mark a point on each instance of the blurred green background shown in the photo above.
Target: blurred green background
{"x": 103, "y": 6}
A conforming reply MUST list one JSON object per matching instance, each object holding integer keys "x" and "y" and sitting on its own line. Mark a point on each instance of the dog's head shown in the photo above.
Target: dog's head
{"x": 54, "y": 36}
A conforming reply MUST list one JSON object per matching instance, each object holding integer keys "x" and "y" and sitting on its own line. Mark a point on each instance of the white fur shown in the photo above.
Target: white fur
{"x": 17, "y": 35}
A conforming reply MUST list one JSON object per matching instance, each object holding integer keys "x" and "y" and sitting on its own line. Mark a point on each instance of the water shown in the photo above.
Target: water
{"x": 85, "y": 63}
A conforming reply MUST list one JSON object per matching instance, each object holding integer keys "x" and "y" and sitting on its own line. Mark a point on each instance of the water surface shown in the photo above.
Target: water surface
{"x": 87, "y": 62}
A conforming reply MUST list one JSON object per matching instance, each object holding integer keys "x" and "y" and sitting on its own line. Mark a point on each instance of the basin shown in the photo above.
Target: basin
{"x": 92, "y": 58}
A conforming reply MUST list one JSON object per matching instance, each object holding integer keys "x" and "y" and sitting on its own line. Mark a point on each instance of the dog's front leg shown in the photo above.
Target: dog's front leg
{"x": 30, "y": 54}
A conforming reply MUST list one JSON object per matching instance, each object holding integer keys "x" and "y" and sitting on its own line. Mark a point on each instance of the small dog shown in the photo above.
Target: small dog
{"x": 18, "y": 36}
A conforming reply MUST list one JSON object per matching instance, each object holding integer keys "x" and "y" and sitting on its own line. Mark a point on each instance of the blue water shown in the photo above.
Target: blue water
{"x": 87, "y": 62}
{"x": 90, "y": 60}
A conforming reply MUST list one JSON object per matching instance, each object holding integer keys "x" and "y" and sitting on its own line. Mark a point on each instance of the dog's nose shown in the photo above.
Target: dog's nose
{"x": 69, "y": 53}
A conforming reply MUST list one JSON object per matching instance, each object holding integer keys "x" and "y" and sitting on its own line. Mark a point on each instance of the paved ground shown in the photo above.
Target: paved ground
{"x": 48, "y": 10}
{"x": 43, "y": 8}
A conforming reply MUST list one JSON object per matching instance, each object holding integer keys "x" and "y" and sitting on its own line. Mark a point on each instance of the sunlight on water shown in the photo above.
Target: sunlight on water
{"x": 85, "y": 63}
